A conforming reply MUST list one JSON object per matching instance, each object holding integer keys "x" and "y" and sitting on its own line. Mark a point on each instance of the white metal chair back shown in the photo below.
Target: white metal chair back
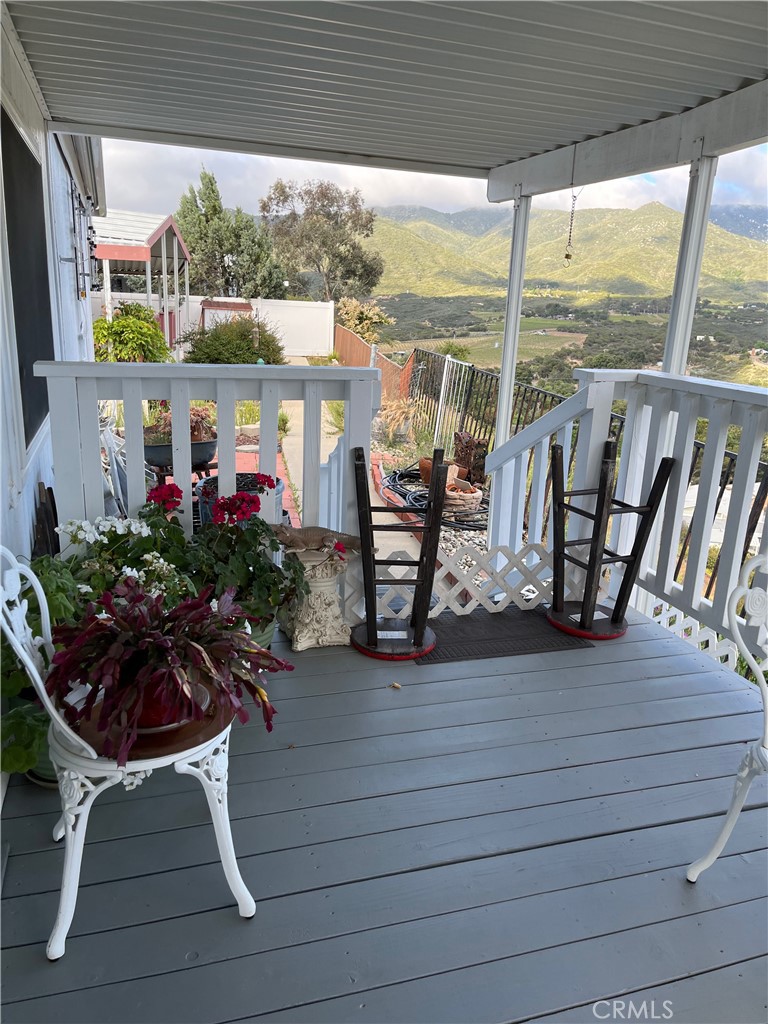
{"x": 33, "y": 652}
{"x": 755, "y": 612}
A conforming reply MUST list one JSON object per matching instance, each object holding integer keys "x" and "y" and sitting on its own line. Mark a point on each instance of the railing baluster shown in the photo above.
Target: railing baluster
{"x": 90, "y": 443}
{"x": 310, "y": 505}
{"x": 754, "y": 426}
{"x": 701, "y": 530}
{"x": 677, "y": 488}
{"x": 65, "y": 440}
{"x": 133, "y": 419}
{"x": 182, "y": 450}
{"x": 225, "y": 431}
{"x": 270, "y": 406}
{"x": 538, "y": 491}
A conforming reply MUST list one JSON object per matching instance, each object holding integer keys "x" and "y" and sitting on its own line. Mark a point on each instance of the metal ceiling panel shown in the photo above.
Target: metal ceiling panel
{"x": 455, "y": 87}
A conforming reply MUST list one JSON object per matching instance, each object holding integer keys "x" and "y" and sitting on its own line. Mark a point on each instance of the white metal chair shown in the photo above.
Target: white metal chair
{"x": 755, "y": 761}
{"x": 198, "y": 749}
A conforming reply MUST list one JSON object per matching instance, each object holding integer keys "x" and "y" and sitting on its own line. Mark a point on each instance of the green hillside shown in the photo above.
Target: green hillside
{"x": 621, "y": 252}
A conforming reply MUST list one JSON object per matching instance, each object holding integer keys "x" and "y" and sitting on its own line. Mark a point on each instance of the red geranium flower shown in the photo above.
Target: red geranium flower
{"x": 240, "y": 506}
{"x": 167, "y": 495}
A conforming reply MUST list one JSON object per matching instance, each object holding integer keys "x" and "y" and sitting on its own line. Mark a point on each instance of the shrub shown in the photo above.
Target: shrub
{"x": 362, "y": 318}
{"x": 455, "y": 350}
{"x": 129, "y": 339}
{"x": 243, "y": 339}
{"x": 283, "y": 422}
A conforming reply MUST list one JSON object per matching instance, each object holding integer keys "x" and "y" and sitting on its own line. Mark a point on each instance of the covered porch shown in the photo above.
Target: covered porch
{"x": 498, "y": 840}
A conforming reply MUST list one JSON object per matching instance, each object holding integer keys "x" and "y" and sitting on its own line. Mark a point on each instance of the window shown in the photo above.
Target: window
{"x": 25, "y": 220}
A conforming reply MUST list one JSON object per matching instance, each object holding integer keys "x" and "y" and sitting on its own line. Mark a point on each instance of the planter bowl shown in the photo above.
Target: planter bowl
{"x": 160, "y": 456}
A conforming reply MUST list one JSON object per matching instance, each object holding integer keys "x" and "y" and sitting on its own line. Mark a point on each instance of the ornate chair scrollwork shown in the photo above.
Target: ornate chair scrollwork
{"x": 199, "y": 749}
{"x": 755, "y": 761}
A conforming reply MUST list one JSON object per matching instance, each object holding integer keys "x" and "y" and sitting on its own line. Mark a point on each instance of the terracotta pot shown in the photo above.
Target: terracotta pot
{"x": 425, "y": 470}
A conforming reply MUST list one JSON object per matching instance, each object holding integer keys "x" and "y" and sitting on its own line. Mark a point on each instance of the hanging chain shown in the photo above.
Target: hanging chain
{"x": 569, "y": 244}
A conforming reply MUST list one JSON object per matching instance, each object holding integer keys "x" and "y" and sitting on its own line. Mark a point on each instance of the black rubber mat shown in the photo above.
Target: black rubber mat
{"x": 483, "y": 634}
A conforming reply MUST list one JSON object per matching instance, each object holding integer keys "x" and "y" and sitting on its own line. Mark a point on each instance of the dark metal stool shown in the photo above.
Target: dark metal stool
{"x": 587, "y": 618}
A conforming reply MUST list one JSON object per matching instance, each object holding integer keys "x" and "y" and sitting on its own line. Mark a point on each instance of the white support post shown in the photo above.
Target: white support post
{"x": 148, "y": 276}
{"x": 686, "y": 287}
{"x": 176, "y": 286}
{"x": 441, "y": 400}
{"x": 164, "y": 290}
{"x": 186, "y": 294}
{"x": 512, "y": 318}
{"x": 107, "y": 289}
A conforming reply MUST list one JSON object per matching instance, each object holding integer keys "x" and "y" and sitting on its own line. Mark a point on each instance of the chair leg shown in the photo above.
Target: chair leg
{"x": 752, "y": 765}
{"x": 77, "y": 796}
{"x": 212, "y": 771}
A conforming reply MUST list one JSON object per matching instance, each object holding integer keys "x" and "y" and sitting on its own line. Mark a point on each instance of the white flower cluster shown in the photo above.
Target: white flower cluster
{"x": 102, "y": 529}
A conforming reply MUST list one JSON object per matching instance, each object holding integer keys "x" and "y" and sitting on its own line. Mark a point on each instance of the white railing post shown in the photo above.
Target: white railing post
{"x": 362, "y": 402}
{"x": 522, "y": 207}
{"x": 441, "y": 400}
{"x": 268, "y": 439}
{"x": 310, "y": 491}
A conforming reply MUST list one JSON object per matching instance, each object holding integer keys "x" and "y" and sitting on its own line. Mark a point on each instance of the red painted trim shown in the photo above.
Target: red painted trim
{"x": 104, "y": 251}
{"x": 422, "y": 652}
{"x": 584, "y": 633}
{"x": 169, "y": 222}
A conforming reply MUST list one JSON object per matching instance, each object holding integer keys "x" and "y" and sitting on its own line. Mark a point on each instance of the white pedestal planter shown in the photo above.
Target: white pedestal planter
{"x": 318, "y": 621}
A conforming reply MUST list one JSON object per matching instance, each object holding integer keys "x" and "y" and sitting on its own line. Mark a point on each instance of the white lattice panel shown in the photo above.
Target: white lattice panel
{"x": 466, "y": 580}
{"x": 702, "y": 637}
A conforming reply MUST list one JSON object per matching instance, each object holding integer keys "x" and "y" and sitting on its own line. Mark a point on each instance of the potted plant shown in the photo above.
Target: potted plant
{"x": 207, "y": 491}
{"x": 236, "y": 550}
{"x": 148, "y": 667}
{"x": 158, "y": 450}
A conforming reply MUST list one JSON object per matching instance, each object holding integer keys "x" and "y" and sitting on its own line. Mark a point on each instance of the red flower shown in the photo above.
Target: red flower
{"x": 167, "y": 495}
{"x": 340, "y": 549}
{"x": 240, "y": 506}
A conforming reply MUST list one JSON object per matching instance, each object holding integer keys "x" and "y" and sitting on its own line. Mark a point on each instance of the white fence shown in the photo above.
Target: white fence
{"x": 75, "y": 390}
{"x": 305, "y": 328}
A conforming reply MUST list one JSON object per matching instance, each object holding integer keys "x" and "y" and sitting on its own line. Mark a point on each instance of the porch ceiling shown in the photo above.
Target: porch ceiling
{"x": 454, "y": 88}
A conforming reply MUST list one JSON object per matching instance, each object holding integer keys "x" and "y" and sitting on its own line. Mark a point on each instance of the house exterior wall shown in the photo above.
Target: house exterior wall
{"x": 22, "y": 465}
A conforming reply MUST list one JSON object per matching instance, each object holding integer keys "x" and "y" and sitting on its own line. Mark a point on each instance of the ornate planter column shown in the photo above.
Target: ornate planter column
{"x": 318, "y": 621}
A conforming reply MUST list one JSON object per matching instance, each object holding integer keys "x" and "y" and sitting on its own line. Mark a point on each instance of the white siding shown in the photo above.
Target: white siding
{"x": 22, "y": 466}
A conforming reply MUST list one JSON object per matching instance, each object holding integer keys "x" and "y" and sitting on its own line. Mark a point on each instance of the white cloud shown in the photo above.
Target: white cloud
{"x": 151, "y": 178}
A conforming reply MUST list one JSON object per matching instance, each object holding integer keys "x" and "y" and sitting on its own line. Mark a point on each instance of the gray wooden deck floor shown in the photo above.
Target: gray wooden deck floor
{"x": 496, "y": 841}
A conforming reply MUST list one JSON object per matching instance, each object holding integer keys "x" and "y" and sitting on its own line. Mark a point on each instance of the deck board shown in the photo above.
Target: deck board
{"x": 498, "y": 841}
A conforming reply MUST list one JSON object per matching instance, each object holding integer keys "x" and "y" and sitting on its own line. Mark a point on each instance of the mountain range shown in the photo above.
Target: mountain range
{"x": 619, "y": 252}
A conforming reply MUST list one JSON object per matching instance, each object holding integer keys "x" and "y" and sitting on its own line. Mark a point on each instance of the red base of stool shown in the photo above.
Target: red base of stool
{"x": 392, "y": 648}
{"x": 601, "y": 629}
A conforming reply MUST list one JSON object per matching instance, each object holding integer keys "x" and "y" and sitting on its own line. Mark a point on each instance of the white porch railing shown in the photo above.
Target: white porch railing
{"x": 663, "y": 412}
{"x": 75, "y": 389}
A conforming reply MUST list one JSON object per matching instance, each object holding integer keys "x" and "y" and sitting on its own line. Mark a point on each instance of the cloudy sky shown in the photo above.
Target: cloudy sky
{"x": 149, "y": 179}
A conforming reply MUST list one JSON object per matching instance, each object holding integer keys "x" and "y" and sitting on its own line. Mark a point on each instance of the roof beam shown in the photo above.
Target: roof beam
{"x": 712, "y": 129}
{"x": 235, "y": 145}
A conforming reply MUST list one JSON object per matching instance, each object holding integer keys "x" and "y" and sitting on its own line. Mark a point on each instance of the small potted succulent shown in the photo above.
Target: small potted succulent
{"x": 158, "y": 449}
{"x": 148, "y": 668}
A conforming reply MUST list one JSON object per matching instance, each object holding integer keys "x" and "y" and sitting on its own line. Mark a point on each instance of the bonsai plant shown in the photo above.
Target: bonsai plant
{"x": 158, "y": 436}
{"x": 143, "y": 665}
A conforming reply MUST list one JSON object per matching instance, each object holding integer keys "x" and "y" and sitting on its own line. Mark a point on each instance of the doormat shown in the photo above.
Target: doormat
{"x": 484, "y": 634}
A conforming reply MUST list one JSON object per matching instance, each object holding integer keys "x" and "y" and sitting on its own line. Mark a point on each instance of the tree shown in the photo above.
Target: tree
{"x": 362, "y": 318}
{"x": 231, "y": 253}
{"x": 317, "y": 229}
